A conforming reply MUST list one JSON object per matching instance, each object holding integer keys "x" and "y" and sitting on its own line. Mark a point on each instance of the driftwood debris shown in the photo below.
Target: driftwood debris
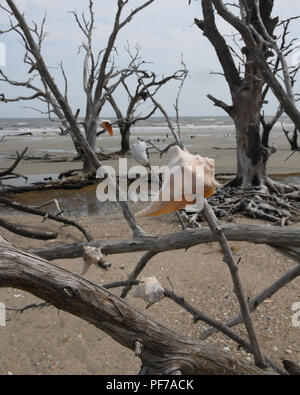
{"x": 26, "y": 232}
{"x": 187, "y": 238}
{"x": 232, "y": 264}
{"x": 169, "y": 351}
{"x": 291, "y": 367}
{"x": 260, "y": 298}
{"x": 10, "y": 171}
{"x": 57, "y": 218}
{"x": 257, "y": 203}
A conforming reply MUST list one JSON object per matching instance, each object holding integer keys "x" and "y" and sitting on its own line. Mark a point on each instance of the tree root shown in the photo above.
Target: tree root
{"x": 275, "y": 202}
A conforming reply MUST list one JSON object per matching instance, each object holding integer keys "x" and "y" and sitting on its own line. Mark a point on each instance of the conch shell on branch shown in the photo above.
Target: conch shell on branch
{"x": 106, "y": 124}
{"x": 149, "y": 289}
{"x": 200, "y": 173}
{"x": 139, "y": 153}
{"x": 93, "y": 256}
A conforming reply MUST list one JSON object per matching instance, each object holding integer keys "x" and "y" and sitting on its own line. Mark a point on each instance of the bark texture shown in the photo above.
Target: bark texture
{"x": 161, "y": 350}
{"x": 246, "y": 92}
{"x": 180, "y": 240}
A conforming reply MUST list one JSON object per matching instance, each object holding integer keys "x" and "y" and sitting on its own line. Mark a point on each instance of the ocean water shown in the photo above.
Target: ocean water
{"x": 41, "y": 126}
{"x": 153, "y": 128}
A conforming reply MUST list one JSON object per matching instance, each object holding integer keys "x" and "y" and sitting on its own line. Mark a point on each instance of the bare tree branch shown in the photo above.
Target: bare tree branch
{"x": 180, "y": 240}
{"x": 114, "y": 316}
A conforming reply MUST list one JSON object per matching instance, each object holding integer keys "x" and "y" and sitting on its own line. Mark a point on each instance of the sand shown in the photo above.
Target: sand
{"x": 53, "y": 342}
{"x": 205, "y": 141}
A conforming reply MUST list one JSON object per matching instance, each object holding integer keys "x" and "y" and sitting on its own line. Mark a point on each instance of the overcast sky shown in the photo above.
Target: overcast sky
{"x": 164, "y": 30}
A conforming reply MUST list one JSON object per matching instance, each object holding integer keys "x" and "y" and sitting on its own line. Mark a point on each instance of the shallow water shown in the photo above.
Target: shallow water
{"x": 83, "y": 202}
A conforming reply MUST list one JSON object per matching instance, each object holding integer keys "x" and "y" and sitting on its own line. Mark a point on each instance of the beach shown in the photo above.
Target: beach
{"x": 53, "y": 342}
{"x": 212, "y": 137}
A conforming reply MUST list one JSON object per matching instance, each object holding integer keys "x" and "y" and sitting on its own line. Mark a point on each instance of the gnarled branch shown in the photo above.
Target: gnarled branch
{"x": 162, "y": 349}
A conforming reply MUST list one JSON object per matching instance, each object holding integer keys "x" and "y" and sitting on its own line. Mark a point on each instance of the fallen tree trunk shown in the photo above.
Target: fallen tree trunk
{"x": 22, "y": 231}
{"x": 34, "y": 211}
{"x": 160, "y": 349}
{"x": 272, "y": 235}
{"x": 8, "y": 190}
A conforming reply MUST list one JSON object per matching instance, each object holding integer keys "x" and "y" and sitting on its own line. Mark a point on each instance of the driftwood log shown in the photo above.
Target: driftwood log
{"x": 25, "y": 232}
{"x": 187, "y": 238}
{"x": 229, "y": 259}
{"x": 291, "y": 367}
{"x": 44, "y": 214}
{"x": 10, "y": 170}
{"x": 160, "y": 349}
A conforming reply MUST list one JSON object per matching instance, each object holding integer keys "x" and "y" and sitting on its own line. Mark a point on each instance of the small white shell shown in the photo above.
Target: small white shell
{"x": 91, "y": 256}
{"x": 149, "y": 289}
{"x": 139, "y": 153}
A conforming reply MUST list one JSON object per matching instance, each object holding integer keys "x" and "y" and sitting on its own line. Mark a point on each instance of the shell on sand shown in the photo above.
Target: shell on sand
{"x": 106, "y": 124}
{"x": 182, "y": 165}
{"x": 149, "y": 289}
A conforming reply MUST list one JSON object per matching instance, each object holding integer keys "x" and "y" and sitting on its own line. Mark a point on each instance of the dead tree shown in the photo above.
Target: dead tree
{"x": 44, "y": 214}
{"x": 256, "y": 35}
{"x": 246, "y": 90}
{"x": 49, "y": 82}
{"x": 148, "y": 84}
{"x": 246, "y": 87}
{"x": 160, "y": 350}
{"x": 98, "y": 69}
{"x": 286, "y": 47}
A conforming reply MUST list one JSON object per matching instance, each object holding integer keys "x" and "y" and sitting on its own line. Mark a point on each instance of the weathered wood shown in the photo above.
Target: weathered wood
{"x": 136, "y": 271}
{"x": 257, "y": 202}
{"x": 91, "y": 120}
{"x": 44, "y": 214}
{"x": 25, "y": 232}
{"x": 291, "y": 367}
{"x": 253, "y": 48}
{"x": 260, "y": 298}
{"x": 216, "y": 325}
{"x": 181, "y": 240}
{"x": 14, "y": 165}
{"x": 163, "y": 350}
{"x": 229, "y": 259}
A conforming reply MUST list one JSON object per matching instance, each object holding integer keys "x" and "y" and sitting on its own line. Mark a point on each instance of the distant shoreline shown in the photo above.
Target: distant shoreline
{"x": 209, "y": 136}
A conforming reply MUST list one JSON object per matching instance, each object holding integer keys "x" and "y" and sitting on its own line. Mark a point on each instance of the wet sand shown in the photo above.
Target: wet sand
{"x": 214, "y": 144}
